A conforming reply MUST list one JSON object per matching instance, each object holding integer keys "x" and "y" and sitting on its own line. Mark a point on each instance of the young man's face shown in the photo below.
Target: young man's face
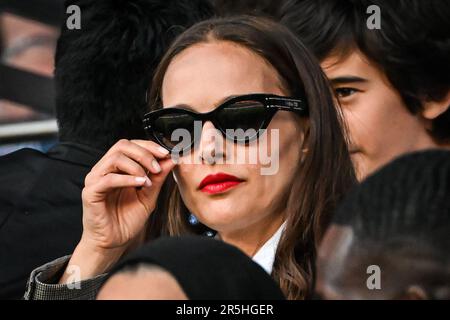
{"x": 380, "y": 125}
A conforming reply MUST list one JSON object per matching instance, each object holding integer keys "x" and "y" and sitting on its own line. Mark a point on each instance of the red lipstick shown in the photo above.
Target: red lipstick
{"x": 217, "y": 183}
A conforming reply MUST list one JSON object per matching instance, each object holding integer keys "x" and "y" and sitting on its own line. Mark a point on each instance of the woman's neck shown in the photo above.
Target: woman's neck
{"x": 253, "y": 237}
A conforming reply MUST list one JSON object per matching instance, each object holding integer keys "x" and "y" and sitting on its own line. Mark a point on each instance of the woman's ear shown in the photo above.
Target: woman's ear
{"x": 304, "y": 154}
{"x": 433, "y": 109}
{"x": 304, "y": 148}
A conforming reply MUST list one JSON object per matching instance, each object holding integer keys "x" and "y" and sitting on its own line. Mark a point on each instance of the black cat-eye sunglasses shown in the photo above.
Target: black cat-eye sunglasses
{"x": 249, "y": 114}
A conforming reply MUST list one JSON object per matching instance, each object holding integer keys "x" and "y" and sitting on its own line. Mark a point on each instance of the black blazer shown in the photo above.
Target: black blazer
{"x": 40, "y": 209}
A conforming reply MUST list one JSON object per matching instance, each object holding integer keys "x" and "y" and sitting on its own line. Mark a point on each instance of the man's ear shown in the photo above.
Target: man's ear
{"x": 433, "y": 109}
{"x": 415, "y": 292}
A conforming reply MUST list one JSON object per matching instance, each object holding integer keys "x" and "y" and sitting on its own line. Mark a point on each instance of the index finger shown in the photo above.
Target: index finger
{"x": 157, "y": 150}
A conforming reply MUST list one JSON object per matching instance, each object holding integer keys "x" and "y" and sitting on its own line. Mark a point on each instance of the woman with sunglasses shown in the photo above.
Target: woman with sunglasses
{"x": 254, "y": 84}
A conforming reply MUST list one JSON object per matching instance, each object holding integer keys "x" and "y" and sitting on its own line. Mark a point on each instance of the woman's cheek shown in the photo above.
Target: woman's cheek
{"x": 184, "y": 179}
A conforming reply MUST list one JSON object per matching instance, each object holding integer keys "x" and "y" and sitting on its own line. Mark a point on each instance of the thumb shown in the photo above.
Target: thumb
{"x": 166, "y": 165}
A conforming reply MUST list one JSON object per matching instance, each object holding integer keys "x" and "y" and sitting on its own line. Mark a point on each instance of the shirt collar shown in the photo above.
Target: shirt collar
{"x": 265, "y": 256}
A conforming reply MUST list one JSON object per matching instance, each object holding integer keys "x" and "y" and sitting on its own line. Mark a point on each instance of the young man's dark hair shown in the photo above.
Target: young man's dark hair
{"x": 103, "y": 72}
{"x": 411, "y": 50}
{"x": 104, "y": 69}
{"x": 266, "y": 8}
{"x": 397, "y": 220}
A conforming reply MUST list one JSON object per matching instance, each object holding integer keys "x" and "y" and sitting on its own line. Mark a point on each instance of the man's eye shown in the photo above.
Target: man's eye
{"x": 345, "y": 92}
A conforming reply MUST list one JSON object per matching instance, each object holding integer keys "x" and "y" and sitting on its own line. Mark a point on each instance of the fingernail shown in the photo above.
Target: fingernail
{"x": 163, "y": 151}
{"x": 155, "y": 165}
{"x": 148, "y": 183}
{"x": 140, "y": 179}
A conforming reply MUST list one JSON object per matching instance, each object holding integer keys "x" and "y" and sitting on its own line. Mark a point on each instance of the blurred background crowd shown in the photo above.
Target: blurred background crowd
{"x": 28, "y": 34}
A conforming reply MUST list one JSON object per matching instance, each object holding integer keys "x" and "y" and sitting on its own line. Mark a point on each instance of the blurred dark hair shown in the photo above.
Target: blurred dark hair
{"x": 412, "y": 47}
{"x": 250, "y": 7}
{"x": 325, "y": 173}
{"x": 203, "y": 267}
{"x": 104, "y": 70}
{"x": 1, "y": 40}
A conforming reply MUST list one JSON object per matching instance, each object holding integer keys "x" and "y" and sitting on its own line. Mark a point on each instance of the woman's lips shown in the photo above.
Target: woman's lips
{"x": 219, "y": 182}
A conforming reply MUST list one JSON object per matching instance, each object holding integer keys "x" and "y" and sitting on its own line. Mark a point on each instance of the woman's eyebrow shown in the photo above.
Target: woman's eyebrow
{"x": 347, "y": 80}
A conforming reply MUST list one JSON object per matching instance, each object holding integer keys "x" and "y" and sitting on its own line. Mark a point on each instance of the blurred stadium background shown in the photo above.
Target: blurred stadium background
{"x": 28, "y": 34}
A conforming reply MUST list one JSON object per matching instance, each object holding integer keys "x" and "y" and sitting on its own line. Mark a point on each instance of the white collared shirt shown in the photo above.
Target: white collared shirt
{"x": 265, "y": 256}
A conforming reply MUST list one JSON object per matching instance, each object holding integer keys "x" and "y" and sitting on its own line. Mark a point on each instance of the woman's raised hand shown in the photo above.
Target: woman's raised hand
{"x": 121, "y": 191}
{"x": 119, "y": 195}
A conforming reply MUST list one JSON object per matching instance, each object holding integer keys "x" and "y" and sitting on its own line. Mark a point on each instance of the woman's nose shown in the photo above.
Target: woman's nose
{"x": 212, "y": 144}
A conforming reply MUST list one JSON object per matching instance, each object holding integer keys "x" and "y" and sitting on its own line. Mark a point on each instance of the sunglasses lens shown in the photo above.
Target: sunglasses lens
{"x": 174, "y": 130}
{"x": 243, "y": 118}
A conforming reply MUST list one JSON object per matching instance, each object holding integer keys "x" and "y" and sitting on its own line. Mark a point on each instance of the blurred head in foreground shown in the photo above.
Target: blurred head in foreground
{"x": 391, "y": 236}
{"x": 190, "y": 267}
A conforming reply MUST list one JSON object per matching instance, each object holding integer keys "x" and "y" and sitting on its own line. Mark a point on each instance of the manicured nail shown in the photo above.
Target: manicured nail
{"x": 141, "y": 179}
{"x": 148, "y": 183}
{"x": 163, "y": 151}
{"x": 156, "y": 165}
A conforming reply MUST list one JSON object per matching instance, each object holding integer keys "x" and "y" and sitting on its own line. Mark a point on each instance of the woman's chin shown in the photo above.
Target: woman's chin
{"x": 221, "y": 220}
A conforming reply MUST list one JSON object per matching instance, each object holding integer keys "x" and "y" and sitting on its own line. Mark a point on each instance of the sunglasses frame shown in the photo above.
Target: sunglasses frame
{"x": 271, "y": 102}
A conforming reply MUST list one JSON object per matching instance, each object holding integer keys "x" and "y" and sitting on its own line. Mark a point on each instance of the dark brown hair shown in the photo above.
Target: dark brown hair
{"x": 265, "y": 8}
{"x": 325, "y": 172}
